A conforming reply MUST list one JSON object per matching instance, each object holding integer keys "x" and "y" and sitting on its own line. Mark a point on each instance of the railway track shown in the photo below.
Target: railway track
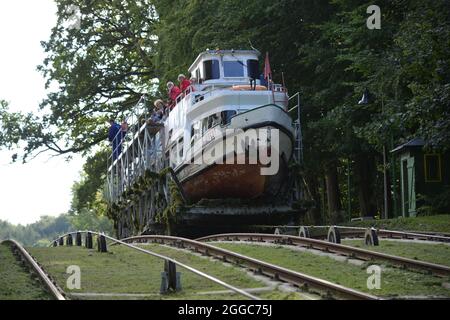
{"x": 34, "y": 267}
{"x": 359, "y": 232}
{"x": 157, "y": 255}
{"x": 348, "y": 251}
{"x": 414, "y": 235}
{"x": 298, "y": 279}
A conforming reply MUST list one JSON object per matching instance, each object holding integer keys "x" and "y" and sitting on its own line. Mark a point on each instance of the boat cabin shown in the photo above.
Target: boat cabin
{"x": 225, "y": 67}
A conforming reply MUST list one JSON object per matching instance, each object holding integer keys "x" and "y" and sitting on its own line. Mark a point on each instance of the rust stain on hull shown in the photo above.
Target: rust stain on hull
{"x": 242, "y": 181}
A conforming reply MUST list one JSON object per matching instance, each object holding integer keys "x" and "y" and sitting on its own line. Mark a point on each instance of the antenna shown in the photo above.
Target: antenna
{"x": 253, "y": 48}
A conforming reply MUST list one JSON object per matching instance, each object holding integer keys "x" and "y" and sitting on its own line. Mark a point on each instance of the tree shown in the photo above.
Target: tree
{"x": 95, "y": 72}
{"x": 92, "y": 181}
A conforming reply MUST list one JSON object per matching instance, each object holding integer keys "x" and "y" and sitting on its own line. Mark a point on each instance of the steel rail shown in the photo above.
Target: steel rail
{"x": 412, "y": 235}
{"x": 56, "y": 292}
{"x": 277, "y": 272}
{"x": 348, "y": 251}
{"x": 359, "y": 231}
{"x": 180, "y": 264}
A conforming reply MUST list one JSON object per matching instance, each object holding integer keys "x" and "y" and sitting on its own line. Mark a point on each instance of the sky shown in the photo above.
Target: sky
{"x": 43, "y": 186}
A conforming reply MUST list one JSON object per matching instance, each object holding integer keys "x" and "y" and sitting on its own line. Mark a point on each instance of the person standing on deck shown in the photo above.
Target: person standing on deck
{"x": 184, "y": 83}
{"x": 174, "y": 92}
{"x": 115, "y": 136}
{"x": 158, "y": 112}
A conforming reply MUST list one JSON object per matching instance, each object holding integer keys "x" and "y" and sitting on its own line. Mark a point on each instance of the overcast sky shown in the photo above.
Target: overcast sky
{"x": 41, "y": 187}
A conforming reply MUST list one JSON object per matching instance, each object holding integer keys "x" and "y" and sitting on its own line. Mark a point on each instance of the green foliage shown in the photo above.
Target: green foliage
{"x": 88, "y": 220}
{"x": 99, "y": 71}
{"x": 38, "y": 233}
{"x": 42, "y": 232}
{"x": 86, "y": 191}
{"x": 436, "y": 223}
{"x": 435, "y": 204}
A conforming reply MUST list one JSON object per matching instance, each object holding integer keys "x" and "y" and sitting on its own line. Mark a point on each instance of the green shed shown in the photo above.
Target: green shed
{"x": 421, "y": 173}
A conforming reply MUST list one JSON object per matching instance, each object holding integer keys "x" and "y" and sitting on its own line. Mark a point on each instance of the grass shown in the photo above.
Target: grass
{"x": 435, "y": 253}
{"x": 15, "y": 282}
{"x": 123, "y": 270}
{"x": 437, "y": 223}
{"x": 394, "y": 282}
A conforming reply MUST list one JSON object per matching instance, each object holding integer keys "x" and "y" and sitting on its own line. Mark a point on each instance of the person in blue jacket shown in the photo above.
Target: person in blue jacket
{"x": 115, "y": 135}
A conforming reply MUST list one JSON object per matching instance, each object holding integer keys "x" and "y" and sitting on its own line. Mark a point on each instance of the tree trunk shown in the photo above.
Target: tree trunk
{"x": 364, "y": 172}
{"x": 333, "y": 194}
{"x": 390, "y": 200}
{"x": 313, "y": 213}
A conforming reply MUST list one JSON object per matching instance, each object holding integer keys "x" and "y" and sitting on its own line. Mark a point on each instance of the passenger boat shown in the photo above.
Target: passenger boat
{"x": 228, "y": 142}
{"x": 213, "y": 112}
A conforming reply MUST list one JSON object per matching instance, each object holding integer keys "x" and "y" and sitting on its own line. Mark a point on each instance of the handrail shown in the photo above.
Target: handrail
{"x": 133, "y": 113}
{"x": 180, "y": 264}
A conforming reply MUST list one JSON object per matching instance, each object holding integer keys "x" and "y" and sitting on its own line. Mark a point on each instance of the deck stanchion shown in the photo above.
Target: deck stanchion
{"x": 78, "y": 239}
{"x": 334, "y": 235}
{"x": 69, "y": 240}
{"x": 371, "y": 237}
{"x": 88, "y": 241}
{"x": 304, "y": 232}
{"x": 101, "y": 243}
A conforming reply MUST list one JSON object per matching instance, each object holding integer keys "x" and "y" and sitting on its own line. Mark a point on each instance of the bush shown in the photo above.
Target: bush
{"x": 435, "y": 204}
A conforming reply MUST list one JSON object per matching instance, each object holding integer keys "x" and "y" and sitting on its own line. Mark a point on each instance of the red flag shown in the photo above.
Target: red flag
{"x": 267, "y": 69}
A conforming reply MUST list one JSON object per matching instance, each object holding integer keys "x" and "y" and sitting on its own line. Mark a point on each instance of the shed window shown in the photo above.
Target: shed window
{"x": 433, "y": 168}
{"x": 233, "y": 69}
{"x": 212, "y": 70}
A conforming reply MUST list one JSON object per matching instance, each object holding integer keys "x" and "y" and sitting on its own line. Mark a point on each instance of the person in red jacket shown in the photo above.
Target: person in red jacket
{"x": 184, "y": 83}
{"x": 174, "y": 92}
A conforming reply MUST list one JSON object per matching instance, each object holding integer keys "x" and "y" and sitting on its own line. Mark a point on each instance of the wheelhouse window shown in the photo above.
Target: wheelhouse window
{"x": 253, "y": 69}
{"x": 433, "y": 168}
{"x": 233, "y": 69}
{"x": 226, "y": 116}
{"x": 212, "y": 69}
{"x": 213, "y": 120}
